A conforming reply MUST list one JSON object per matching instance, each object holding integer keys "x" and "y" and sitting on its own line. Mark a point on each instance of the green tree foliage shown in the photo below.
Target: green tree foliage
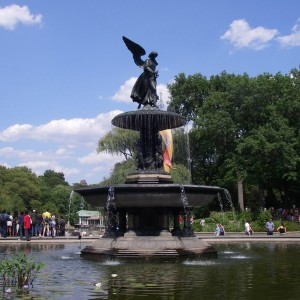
{"x": 52, "y": 178}
{"x": 21, "y": 189}
{"x": 122, "y": 141}
{"x": 244, "y": 128}
{"x": 180, "y": 174}
{"x": 119, "y": 141}
{"x": 18, "y": 187}
{"x": 119, "y": 172}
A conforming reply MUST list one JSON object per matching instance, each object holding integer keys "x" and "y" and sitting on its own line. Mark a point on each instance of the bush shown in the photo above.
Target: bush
{"x": 263, "y": 217}
{"x": 19, "y": 271}
{"x": 258, "y": 222}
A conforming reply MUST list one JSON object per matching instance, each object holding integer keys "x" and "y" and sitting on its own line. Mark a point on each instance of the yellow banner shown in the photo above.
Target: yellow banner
{"x": 167, "y": 148}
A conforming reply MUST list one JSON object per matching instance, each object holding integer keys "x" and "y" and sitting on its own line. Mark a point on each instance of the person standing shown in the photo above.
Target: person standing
{"x": 33, "y": 224}
{"x": 39, "y": 224}
{"x": 4, "y": 219}
{"x": 52, "y": 225}
{"x": 15, "y": 224}
{"x": 27, "y": 225}
{"x": 21, "y": 225}
{"x": 9, "y": 224}
{"x": 62, "y": 226}
{"x": 46, "y": 220}
{"x": 270, "y": 227}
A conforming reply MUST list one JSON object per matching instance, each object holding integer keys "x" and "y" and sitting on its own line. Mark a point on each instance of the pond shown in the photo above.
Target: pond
{"x": 241, "y": 271}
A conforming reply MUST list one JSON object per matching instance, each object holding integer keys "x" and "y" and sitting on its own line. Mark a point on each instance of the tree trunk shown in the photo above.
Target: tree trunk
{"x": 240, "y": 195}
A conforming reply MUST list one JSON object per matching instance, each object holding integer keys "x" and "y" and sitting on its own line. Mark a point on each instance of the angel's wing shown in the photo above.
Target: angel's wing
{"x": 136, "y": 50}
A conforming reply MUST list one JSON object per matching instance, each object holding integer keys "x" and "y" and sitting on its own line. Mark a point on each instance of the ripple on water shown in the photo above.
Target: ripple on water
{"x": 67, "y": 257}
{"x": 111, "y": 263}
{"x": 239, "y": 257}
{"x": 200, "y": 262}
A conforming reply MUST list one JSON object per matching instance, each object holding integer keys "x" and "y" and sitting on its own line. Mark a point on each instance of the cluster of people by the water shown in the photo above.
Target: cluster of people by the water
{"x": 28, "y": 224}
{"x": 270, "y": 228}
{"x": 220, "y": 230}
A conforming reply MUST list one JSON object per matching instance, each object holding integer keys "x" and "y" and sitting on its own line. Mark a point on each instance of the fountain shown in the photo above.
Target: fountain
{"x": 140, "y": 211}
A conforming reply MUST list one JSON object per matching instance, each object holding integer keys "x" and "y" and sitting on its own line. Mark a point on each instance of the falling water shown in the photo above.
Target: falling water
{"x": 187, "y": 231}
{"x": 111, "y": 222}
{"x": 188, "y": 153}
{"x": 229, "y": 200}
{"x": 221, "y": 205}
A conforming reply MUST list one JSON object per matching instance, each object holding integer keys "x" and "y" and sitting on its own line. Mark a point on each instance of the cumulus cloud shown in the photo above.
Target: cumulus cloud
{"x": 15, "y": 131}
{"x": 99, "y": 164}
{"x": 241, "y": 35}
{"x": 40, "y": 166}
{"x": 123, "y": 94}
{"x": 12, "y": 15}
{"x": 73, "y": 131}
{"x": 102, "y": 157}
{"x": 293, "y": 39}
{"x": 67, "y": 146}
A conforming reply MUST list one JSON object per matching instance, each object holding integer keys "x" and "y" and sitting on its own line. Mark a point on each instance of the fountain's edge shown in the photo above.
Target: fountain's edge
{"x": 135, "y": 119}
{"x": 150, "y": 195}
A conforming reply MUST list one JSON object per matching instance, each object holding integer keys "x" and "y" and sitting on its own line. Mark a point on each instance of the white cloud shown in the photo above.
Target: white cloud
{"x": 40, "y": 166}
{"x": 12, "y": 15}
{"x": 99, "y": 164}
{"x": 14, "y": 132}
{"x": 123, "y": 95}
{"x": 241, "y": 35}
{"x": 292, "y": 40}
{"x": 102, "y": 157}
{"x": 68, "y": 132}
{"x": 67, "y": 146}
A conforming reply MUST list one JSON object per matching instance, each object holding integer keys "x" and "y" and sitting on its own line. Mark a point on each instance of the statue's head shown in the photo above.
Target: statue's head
{"x": 153, "y": 54}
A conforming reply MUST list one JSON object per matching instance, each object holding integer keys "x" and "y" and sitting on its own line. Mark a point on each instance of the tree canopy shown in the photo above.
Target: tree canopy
{"x": 244, "y": 129}
{"x": 21, "y": 189}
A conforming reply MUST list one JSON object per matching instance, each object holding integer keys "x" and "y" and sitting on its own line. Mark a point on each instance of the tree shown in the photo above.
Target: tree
{"x": 19, "y": 188}
{"x": 241, "y": 125}
{"x": 52, "y": 178}
{"x": 120, "y": 171}
{"x": 119, "y": 141}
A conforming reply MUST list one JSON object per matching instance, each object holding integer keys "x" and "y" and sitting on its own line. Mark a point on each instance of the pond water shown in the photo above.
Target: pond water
{"x": 241, "y": 271}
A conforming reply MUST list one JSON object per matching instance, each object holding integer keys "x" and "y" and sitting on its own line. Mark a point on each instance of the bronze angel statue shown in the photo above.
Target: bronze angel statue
{"x": 144, "y": 90}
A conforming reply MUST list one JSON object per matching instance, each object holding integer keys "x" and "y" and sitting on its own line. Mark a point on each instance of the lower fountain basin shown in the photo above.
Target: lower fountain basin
{"x": 161, "y": 246}
{"x": 151, "y": 195}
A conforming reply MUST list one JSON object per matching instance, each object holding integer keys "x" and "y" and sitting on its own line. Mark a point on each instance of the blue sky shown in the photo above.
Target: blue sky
{"x": 65, "y": 71}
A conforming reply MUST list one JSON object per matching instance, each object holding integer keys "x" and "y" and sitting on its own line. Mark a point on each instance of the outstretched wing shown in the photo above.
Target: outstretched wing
{"x": 136, "y": 50}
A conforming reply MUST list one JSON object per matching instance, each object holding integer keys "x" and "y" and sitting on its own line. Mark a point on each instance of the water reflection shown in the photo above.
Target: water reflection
{"x": 241, "y": 271}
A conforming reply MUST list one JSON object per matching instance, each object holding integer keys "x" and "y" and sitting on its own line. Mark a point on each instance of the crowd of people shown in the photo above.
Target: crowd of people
{"x": 291, "y": 214}
{"x": 25, "y": 225}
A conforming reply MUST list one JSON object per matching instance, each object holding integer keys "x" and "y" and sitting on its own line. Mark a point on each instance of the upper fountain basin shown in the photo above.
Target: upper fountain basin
{"x": 161, "y": 120}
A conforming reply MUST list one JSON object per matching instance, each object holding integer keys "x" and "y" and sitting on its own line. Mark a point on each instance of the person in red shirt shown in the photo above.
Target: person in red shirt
{"x": 27, "y": 225}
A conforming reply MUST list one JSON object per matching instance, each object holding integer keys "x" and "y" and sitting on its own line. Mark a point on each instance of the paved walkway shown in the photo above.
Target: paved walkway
{"x": 57, "y": 240}
{"x": 207, "y": 236}
{"x": 256, "y": 237}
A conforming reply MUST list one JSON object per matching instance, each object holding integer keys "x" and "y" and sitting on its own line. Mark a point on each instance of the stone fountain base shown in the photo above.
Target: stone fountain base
{"x": 144, "y": 246}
